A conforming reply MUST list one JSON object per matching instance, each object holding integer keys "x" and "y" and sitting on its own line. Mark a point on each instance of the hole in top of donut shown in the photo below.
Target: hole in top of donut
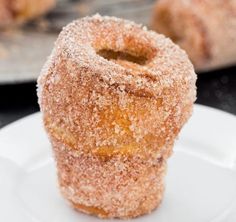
{"x": 121, "y": 57}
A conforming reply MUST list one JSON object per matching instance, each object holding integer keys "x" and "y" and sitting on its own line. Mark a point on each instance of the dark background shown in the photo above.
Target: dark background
{"x": 216, "y": 89}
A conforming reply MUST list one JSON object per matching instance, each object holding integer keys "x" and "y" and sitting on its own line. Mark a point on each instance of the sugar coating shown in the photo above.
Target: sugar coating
{"x": 120, "y": 186}
{"x": 113, "y": 112}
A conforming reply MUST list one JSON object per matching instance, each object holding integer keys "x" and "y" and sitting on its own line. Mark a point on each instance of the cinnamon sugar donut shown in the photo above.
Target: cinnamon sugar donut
{"x": 205, "y": 29}
{"x": 14, "y": 12}
{"x": 114, "y": 96}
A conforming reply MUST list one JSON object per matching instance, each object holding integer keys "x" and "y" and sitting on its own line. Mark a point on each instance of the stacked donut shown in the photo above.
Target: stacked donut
{"x": 114, "y": 97}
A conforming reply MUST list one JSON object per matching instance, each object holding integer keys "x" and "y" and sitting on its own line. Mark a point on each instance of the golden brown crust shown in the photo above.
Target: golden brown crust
{"x": 205, "y": 29}
{"x": 114, "y": 96}
{"x": 15, "y": 12}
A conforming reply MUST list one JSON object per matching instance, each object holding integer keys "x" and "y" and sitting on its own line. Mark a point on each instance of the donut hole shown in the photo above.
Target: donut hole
{"x": 120, "y": 56}
{"x": 130, "y": 48}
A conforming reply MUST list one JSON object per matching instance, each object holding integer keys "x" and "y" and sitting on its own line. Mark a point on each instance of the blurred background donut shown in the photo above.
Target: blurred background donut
{"x": 205, "y": 29}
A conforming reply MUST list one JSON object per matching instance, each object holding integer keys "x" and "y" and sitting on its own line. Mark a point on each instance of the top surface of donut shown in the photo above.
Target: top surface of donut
{"x": 111, "y": 85}
{"x": 123, "y": 53}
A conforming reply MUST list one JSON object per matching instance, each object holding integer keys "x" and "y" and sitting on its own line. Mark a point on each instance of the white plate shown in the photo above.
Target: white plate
{"x": 201, "y": 179}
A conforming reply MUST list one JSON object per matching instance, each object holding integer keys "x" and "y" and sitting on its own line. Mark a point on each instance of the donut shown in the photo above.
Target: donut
{"x": 114, "y": 97}
{"x": 15, "y": 12}
{"x": 205, "y": 29}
